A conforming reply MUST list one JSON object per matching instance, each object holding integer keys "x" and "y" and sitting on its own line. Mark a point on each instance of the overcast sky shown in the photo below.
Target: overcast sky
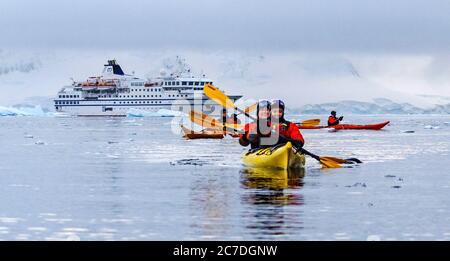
{"x": 304, "y": 51}
{"x": 315, "y": 25}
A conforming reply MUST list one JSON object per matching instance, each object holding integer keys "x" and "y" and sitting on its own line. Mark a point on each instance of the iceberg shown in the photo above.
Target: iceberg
{"x": 24, "y": 111}
{"x": 378, "y": 106}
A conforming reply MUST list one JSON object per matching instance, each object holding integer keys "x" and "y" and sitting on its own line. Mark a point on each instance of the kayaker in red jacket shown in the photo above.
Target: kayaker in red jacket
{"x": 288, "y": 131}
{"x": 333, "y": 120}
{"x": 254, "y": 131}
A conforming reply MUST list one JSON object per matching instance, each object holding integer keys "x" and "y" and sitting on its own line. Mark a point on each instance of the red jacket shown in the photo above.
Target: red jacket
{"x": 290, "y": 130}
{"x": 286, "y": 129}
{"x": 333, "y": 121}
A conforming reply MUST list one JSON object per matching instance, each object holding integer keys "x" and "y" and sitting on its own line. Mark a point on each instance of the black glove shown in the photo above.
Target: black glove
{"x": 244, "y": 142}
{"x": 341, "y": 118}
{"x": 253, "y": 138}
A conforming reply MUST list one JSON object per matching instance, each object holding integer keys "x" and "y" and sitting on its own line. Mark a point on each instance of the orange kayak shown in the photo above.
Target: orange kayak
{"x": 377, "y": 126}
{"x": 190, "y": 134}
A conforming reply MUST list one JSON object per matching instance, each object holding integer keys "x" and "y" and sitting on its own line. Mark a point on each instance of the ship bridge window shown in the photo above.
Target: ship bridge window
{"x": 178, "y": 83}
{"x": 191, "y": 83}
{"x": 196, "y": 83}
{"x": 183, "y": 83}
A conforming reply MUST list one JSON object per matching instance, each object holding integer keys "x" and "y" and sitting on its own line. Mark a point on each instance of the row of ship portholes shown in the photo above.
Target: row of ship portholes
{"x": 143, "y": 96}
{"x": 67, "y": 102}
{"x": 137, "y": 102}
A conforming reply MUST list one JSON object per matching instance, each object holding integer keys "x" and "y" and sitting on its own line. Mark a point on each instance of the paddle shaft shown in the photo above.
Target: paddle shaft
{"x": 301, "y": 149}
{"x": 245, "y": 113}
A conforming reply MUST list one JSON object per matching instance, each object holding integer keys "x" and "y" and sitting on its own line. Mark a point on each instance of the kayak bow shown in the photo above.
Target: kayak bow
{"x": 278, "y": 157}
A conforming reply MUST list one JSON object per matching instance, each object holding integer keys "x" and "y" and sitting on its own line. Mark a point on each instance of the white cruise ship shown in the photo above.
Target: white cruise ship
{"x": 114, "y": 93}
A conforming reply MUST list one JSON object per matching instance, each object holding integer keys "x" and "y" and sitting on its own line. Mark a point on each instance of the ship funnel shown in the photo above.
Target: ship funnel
{"x": 112, "y": 68}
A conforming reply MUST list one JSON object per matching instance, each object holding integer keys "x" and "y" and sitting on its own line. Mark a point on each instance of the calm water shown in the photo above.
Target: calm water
{"x": 133, "y": 179}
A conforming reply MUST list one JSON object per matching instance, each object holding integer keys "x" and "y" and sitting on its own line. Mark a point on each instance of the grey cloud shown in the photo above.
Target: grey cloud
{"x": 319, "y": 25}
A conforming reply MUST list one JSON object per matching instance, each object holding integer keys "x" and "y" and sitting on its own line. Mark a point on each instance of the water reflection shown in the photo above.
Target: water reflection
{"x": 210, "y": 196}
{"x": 271, "y": 199}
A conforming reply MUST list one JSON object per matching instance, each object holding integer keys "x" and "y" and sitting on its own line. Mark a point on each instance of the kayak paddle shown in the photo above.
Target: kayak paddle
{"x": 311, "y": 122}
{"x": 251, "y": 108}
{"x": 330, "y": 162}
{"x": 327, "y": 161}
{"x": 210, "y": 122}
{"x": 218, "y": 96}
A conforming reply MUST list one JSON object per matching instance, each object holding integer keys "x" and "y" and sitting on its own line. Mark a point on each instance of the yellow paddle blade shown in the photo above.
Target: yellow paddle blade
{"x": 251, "y": 108}
{"x": 218, "y": 96}
{"x": 311, "y": 122}
{"x": 338, "y": 160}
{"x": 210, "y": 122}
{"x": 329, "y": 163}
{"x": 204, "y": 120}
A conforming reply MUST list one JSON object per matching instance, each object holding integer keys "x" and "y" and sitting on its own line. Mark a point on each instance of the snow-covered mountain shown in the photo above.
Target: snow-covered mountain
{"x": 378, "y": 106}
{"x": 297, "y": 78}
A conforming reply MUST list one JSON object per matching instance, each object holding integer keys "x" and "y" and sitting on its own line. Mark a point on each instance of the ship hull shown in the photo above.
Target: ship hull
{"x": 109, "y": 109}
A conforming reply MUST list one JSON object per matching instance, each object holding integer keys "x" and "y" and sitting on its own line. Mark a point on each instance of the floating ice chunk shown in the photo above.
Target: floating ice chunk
{"x": 170, "y": 113}
{"x": 29, "y": 136}
{"x": 38, "y": 229}
{"x": 138, "y": 113}
{"x": 408, "y": 131}
{"x": 9, "y": 220}
{"x": 431, "y": 127}
{"x": 39, "y": 142}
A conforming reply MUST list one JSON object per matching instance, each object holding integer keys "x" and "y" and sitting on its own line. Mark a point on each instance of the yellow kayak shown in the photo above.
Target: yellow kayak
{"x": 278, "y": 157}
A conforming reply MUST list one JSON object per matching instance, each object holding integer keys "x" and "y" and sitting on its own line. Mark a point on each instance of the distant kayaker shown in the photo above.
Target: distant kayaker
{"x": 288, "y": 131}
{"x": 333, "y": 120}
{"x": 254, "y": 131}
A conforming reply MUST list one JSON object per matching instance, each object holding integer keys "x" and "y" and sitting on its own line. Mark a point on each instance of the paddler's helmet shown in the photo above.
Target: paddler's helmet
{"x": 333, "y": 113}
{"x": 277, "y": 104}
{"x": 263, "y": 104}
